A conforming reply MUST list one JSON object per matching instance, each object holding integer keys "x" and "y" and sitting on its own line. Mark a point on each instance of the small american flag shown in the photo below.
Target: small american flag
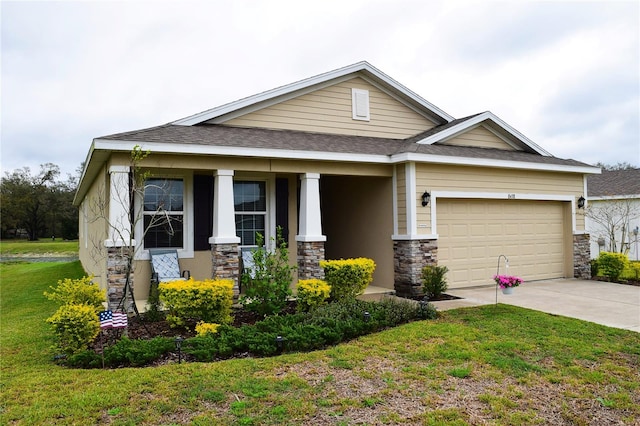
{"x": 110, "y": 319}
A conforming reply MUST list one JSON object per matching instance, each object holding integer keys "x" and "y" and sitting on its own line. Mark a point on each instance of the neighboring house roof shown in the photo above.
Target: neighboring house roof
{"x": 362, "y": 69}
{"x": 225, "y": 140}
{"x": 615, "y": 183}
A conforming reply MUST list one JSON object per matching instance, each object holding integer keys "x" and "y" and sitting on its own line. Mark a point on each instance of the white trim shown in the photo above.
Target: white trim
{"x": 472, "y": 122}
{"x": 288, "y": 89}
{"x": 490, "y": 162}
{"x": 157, "y": 148}
{"x": 119, "y": 169}
{"x": 411, "y": 188}
{"x": 404, "y": 237}
{"x": 310, "y": 216}
{"x": 500, "y": 196}
{"x": 394, "y": 198}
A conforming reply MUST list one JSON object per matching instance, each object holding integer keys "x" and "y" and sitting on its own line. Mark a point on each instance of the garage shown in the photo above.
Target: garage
{"x": 474, "y": 233}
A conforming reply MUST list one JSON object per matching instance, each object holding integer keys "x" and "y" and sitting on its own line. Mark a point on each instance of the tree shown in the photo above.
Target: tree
{"x": 623, "y": 165}
{"x": 611, "y": 219}
{"x": 40, "y": 203}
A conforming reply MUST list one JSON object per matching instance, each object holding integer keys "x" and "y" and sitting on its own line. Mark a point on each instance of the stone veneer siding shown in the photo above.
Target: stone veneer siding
{"x": 310, "y": 253}
{"x": 117, "y": 259}
{"x": 225, "y": 260}
{"x": 410, "y": 256}
{"x": 581, "y": 256}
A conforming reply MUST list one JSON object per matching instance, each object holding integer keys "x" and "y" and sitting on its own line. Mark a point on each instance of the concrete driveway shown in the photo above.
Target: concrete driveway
{"x": 613, "y": 305}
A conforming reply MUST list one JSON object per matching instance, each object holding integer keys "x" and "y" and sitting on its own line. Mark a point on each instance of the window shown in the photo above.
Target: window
{"x": 250, "y": 204}
{"x": 163, "y": 213}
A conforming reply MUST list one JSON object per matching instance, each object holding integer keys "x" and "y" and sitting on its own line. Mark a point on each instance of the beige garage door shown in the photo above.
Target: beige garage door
{"x": 473, "y": 233}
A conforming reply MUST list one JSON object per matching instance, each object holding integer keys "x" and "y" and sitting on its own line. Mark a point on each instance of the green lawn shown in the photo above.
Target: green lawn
{"x": 24, "y": 247}
{"x": 496, "y": 365}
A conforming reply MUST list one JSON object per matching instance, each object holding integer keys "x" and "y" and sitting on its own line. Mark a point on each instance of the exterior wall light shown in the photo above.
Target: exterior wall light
{"x": 425, "y": 198}
{"x": 581, "y": 202}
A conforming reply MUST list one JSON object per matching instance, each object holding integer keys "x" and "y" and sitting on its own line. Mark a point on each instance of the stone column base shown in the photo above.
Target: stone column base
{"x": 410, "y": 256}
{"x": 310, "y": 253}
{"x": 581, "y": 257}
{"x": 225, "y": 261}
{"x": 117, "y": 260}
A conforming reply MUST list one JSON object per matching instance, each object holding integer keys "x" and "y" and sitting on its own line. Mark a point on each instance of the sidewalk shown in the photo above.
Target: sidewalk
{"x": 613, "y": 305}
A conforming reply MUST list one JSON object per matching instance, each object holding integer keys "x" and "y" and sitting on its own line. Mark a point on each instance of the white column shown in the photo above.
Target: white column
{"x": 224, "y": 221}
{"x": 310, "y": 218}
{"x": 119, "y": 208}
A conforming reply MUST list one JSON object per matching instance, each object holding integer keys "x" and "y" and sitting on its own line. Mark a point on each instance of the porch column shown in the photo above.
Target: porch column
{"x": 120, "y": 243}
{"x": 225, "y": 257}
{"x": 310, "y": 240}
{"x": 581, "y": 256}
{"x": 409, "y": 257}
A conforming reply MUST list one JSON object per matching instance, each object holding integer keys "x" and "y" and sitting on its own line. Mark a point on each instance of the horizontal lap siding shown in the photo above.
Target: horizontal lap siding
{"x": 401, "y": 198}
{"x": 328, "y": 110}
{"x": 479, "y": 137}
{"x": 486, "y": 179}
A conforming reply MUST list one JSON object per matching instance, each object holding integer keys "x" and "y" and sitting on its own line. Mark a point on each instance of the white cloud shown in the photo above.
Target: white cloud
{"x": 563, "y": 73}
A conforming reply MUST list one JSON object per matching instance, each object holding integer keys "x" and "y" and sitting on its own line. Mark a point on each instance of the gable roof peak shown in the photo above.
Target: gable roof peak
{"x": 362, "y": 69}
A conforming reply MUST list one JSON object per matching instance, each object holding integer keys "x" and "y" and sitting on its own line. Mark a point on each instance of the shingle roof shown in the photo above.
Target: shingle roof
{"x": 614, "y": 183}
{"x": 226, "y": 136}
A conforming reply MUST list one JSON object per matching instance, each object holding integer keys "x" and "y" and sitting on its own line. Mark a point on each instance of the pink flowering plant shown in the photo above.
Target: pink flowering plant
{"x": 507, "y": 281}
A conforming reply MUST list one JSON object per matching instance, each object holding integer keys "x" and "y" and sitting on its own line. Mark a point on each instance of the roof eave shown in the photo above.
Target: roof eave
{"x": 194, "y": 149}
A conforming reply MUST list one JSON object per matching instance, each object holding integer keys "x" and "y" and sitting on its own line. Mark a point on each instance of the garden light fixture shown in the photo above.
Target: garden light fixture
{"x": 366, "y": 316}
{"x": 280, "y": 344}
{"x": 425, "y": 198}
{"x": 178, "y": 341}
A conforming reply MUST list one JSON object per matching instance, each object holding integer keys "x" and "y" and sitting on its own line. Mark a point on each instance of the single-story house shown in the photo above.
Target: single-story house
{"x": 350, "y": 163}
{"x": 613, "y": 212}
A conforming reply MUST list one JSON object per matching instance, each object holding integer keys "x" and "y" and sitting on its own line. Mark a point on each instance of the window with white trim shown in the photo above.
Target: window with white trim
{"x": 163, "y": 213}
{"x": 250, "y": 205}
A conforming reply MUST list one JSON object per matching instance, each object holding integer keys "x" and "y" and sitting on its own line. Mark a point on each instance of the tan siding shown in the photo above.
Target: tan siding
{"x": 484, "y": 179}
{"x": 93, "y": 255}
{"x": 328, "y": 110}
{"x": 203, "y": 163}
{"x": 351, "y": 228}
{"x": 479, "y": 137}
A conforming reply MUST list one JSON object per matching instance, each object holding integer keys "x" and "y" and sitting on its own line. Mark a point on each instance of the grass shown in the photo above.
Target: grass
{"x": 499, "y": 365}
{"x": 43, "y": 246}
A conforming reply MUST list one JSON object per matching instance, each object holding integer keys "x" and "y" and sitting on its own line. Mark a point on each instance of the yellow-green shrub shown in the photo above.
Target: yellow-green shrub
{"x": 312, "y": 293}
{"x": 76, "y": 325}
{"x": 208, "y": 300}
{"x": 348, "y": 277}
{"x": 612, "y": 264}
{"x": 204, "y": 328}
{"x": 78, "y": 291}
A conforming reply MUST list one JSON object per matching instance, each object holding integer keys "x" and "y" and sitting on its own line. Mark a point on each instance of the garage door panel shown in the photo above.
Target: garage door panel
{"x": 473, "y": 233}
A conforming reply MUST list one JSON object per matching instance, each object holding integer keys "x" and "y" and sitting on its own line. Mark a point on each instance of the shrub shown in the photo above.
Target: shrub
{"x": 434, "y": 281}
{"x": 76, "y": 326}
{"x": 76, "y": 292}
{"x": 612, "y": 264}
{"x": 594, "y": 267}
{"x": 208, "y": 300}
{"x": 204, "y": 328}
{"x": 267, "y": 286}
{"x": 312, "y": 293}
{"x": 348, "y": 277}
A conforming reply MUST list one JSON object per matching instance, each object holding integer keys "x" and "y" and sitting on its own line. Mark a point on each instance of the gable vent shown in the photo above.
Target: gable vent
{"x": 360, "y": 104}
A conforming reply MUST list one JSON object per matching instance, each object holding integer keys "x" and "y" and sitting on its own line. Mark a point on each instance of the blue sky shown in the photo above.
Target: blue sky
{"x": 565, "y": 74}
